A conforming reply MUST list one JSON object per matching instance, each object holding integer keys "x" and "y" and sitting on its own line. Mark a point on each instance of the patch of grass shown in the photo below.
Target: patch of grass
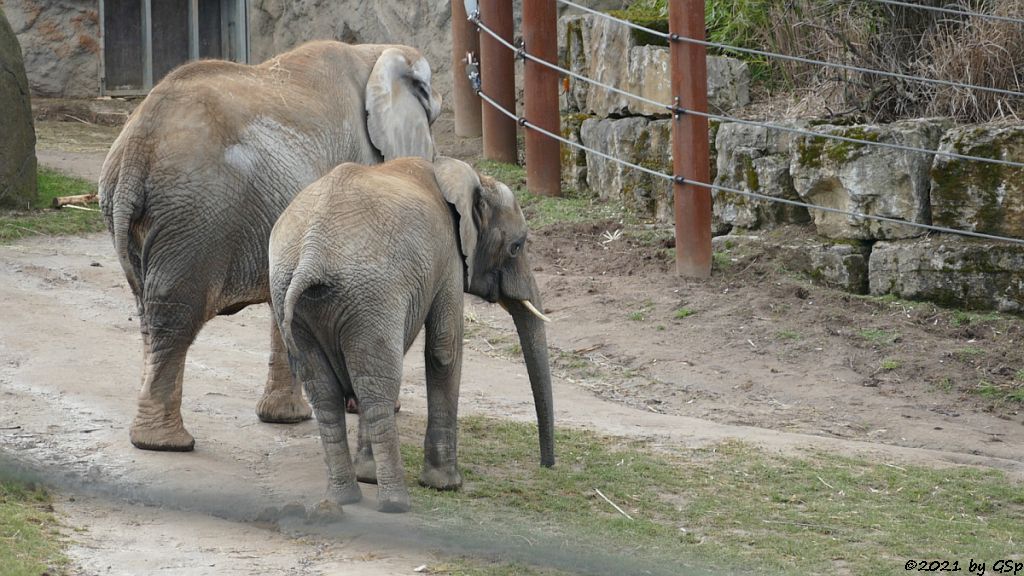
{"x": 962, "y": 318}
{"x": 1000, "y": 392}
{"x": 721, "y": 261}
{"x": 968, "y": 354}
{"x": 637, "y": 316}
{"x": 30, "y": 543}
{"x": 722, "y": 508}
{"x": 890, "y": 364}
{"x": 543, "y": 211}
{"x": 683, "y": 312}
{"x": 788, "y": 335}
{"x": 42, "y": 220}
{"x": 880, "y": 337}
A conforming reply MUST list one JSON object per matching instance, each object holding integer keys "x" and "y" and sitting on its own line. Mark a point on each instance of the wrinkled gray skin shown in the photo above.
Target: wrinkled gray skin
{"x": 200, "y": 173}
{"x": 360, "y": 262}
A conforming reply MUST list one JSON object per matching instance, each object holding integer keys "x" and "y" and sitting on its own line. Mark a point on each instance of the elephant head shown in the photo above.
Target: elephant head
{"x": 492, "y": 238}
{"x": 401, "y": 105}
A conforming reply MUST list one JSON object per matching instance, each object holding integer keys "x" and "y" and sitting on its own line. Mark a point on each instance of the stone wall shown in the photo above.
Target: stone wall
{"x": 904, "y": 261}
{"x": 61, "y": 42}
{"x": 626, "y": 128}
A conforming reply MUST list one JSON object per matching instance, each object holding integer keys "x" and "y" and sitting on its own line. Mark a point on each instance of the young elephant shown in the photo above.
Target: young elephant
{"x": 360, "y": 261}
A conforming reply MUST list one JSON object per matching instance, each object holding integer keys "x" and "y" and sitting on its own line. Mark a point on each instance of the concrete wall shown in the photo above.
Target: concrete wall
{"x": 61, "y": 43}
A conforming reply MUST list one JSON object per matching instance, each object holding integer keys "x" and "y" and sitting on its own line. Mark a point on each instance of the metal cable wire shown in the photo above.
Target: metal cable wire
{"x": 722, "y": 118}
{"x": 800, "y": 59}
{"x": 523, "y": 121}
{"x": 952, "y": 11}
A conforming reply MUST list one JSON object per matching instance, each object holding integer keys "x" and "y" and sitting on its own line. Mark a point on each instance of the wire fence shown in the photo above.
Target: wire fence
{"x": 798, "y": 59}
{"x": 521, "y": 52}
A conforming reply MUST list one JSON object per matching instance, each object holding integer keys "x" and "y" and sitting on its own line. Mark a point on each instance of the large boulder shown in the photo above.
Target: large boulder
{"x": 638, "y": 63}
{"x": 754, "y": 159}
{"x": 980, "y": 196}
{"x": 868, "y": 179}
{"x": 18, "y": 140}
{"x": 952, "y": 271}
{"x": 840, "y": 265}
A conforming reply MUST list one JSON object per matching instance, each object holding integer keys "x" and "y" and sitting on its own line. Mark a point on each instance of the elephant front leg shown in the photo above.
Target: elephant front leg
{"x": 443, "y": 353}
{"x": 167, "y": 332}
{"x": 282, "y": 401}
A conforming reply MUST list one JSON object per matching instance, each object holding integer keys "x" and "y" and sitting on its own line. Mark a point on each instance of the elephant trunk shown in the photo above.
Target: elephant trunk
{"x": 533, "y": 340}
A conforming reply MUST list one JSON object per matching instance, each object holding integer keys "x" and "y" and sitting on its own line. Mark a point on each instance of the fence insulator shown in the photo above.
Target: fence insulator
{"x": 690, "y": 147}
{"x": 497, "y": 73}
{"x": 540, "y": 95}
{"x": 465, "y": 103}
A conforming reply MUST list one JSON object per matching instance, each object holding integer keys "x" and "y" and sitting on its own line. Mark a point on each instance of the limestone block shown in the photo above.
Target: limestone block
{"x": 17, "y": 134}
{"x": 980, "y": 196}
{"x": 641, "y": 141}
{"x": 867, "y": 179}
{"x": 952, "y": 271}
{"x": 618, "y": 56}
{"x": 754, "y": 159}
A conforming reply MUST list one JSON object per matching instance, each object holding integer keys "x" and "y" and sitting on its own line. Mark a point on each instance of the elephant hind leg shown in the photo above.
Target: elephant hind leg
{"x": 324, "y": 386}
{"x": 282, "y": 401}
{"x": 168, "y": 330}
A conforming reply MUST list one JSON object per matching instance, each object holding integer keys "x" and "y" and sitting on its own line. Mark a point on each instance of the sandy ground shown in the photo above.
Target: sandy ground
{"x": 70, "y": 366}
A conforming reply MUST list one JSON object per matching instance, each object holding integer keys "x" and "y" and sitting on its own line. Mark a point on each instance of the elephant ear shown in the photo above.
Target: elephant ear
{"x": 460, "y": 186}
{"x": 401, "y": 106}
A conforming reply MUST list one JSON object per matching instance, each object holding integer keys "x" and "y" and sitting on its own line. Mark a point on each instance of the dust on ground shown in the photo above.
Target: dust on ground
{"x": 757, "y": 354}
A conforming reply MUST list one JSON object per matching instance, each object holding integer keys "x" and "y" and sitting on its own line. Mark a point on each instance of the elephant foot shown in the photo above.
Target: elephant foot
{"x": 393, "y": 501}
{"x": 443, "y": 478}
{"x": 283, "y": 407}
{"x": 348, "y": 493}
{"x": 326, "y": 512}
{"x": 161, "y": 436}
{"x": 366, "y": 468}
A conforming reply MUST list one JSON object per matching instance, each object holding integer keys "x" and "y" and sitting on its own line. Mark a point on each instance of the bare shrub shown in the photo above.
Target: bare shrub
{"x": 903, "y": 40}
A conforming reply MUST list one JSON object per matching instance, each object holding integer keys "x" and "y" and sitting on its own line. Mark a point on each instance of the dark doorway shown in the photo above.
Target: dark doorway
{"x": 143, "y": 40}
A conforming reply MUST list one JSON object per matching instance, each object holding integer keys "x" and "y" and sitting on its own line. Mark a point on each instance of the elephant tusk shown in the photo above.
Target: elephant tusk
{"x": 529, "y": 306}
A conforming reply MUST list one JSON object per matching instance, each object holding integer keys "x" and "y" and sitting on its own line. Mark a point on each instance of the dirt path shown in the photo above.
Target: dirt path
{"x": 70, "y": 366}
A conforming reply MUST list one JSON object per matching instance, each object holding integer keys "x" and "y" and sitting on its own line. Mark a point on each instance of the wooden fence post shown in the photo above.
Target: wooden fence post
{"x": 497, "y": 76}
{"x": 540, "y": 95}
{"x": 465, "y": 102}
{"x": 690, "y": 147}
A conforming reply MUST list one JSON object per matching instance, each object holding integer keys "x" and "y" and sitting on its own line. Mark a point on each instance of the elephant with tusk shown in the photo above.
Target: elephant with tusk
{"x": 360, "y": 262}
{"x": 203, "y": 168}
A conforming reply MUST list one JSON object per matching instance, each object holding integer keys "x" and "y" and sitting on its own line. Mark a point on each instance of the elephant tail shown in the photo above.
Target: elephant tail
{"x": 303, "y": 278}
{"x": 122, "y": 199}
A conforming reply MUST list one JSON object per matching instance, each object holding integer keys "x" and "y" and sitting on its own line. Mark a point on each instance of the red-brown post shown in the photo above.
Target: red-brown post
{"x": 497, "y": 76}
{"x": 465, "y": 102}
{"x": 690, "y": 147}
{"x": 540, "y": 95}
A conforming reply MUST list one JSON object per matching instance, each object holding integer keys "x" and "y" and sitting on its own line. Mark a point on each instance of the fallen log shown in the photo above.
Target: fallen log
{"x": 61, "y": 201}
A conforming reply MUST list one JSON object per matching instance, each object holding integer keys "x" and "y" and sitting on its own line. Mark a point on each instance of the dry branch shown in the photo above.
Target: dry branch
{"x": 61, "y": 201}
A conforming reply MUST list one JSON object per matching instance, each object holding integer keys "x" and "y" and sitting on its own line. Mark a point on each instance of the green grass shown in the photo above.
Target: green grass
{"x": 890, "y": 364}
{"x": 683, "y": 312}
{"x": 543, "y": 211}
{"x": 1013, "y": 393}
{"x": 45, "y": 221}
{"x": 728, "y": 508}
{"x": 30, "y": 544}
{"x": 880, "y": 337}
{"x": 788, "y": 335}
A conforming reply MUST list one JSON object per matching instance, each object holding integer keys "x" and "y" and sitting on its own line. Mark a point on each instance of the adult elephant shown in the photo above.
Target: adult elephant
{"x": 352, "y": 288}
{"x": 206, "y": 164}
